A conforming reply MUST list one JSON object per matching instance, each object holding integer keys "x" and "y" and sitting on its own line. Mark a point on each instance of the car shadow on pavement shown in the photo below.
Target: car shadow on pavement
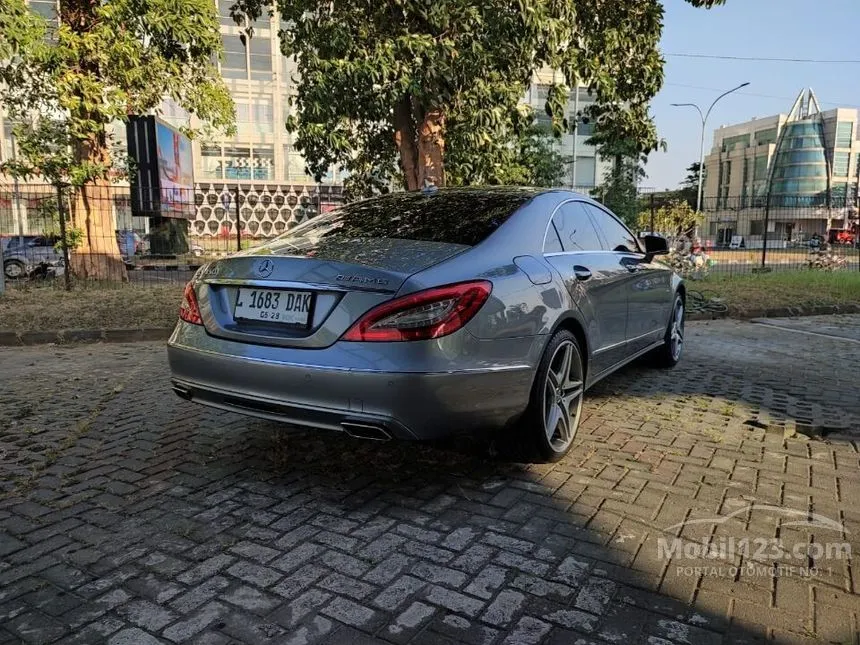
{"x": 316, "y": 535}
{"x": 152, "y": 520}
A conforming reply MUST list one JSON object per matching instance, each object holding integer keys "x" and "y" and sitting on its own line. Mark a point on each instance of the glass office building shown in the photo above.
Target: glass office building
{"x": 802, "y": 166}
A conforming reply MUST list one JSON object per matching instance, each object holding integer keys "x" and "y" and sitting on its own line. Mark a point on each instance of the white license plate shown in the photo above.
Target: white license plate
{"x": 271, "y": 305}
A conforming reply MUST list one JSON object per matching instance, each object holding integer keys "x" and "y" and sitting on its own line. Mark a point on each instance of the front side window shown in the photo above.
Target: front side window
{"x": 617, "y": 237}
{"x": 575, "y": 229}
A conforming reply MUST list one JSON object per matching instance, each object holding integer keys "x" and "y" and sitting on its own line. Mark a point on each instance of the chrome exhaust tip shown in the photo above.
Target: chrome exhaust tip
{"x": 365, "y": 431}
{"x": 182, "y": 392}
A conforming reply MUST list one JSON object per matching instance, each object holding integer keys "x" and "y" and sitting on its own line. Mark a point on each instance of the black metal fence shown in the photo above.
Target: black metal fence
{"x": 114, "y": 234}
{"x": 740, "y": 235}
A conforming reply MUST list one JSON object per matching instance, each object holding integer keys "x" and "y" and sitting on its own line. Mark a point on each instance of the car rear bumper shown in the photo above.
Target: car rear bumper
{"x": 361, "y": 399}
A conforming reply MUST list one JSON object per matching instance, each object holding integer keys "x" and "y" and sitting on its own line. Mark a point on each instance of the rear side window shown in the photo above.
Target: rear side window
{"x": 617, "y": 237}
{"x": 456, "y": 216}
{"x": 575, "y": 229}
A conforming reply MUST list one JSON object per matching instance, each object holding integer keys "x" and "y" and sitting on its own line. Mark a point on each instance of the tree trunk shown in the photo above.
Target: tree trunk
{"x": 98, "y": 257}
{"x": 404, "y": 138}
{"x": 431, "y": 148}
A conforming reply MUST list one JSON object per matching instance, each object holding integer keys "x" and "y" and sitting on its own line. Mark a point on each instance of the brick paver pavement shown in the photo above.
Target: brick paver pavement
{"x": 131, "y": 517}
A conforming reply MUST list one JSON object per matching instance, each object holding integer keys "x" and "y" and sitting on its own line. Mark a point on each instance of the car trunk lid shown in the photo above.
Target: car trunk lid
{"x": 283, "y": 294}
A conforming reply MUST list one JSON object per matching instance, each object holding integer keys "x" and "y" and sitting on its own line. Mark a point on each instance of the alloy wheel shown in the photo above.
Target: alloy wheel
{"x": 676, "y": 333}
{"x": 563, "y": 391}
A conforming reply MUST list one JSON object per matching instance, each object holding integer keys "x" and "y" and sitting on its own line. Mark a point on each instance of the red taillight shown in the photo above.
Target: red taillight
{"x": 189, "y": 310}
{"x": 423, "y": 315}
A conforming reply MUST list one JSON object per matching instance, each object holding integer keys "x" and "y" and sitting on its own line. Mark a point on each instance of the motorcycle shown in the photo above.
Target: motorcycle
{"x": 48, "y": 270}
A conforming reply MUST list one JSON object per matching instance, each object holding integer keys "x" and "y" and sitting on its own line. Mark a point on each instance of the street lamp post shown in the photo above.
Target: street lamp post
{"x": 704, "y": 118}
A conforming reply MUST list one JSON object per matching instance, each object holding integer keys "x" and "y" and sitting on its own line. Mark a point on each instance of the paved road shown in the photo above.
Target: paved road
{"x": 131, "y": 517}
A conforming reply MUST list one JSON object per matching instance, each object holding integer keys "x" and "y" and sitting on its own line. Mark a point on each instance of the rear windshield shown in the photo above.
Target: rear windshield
{"x": 456, "y": 216}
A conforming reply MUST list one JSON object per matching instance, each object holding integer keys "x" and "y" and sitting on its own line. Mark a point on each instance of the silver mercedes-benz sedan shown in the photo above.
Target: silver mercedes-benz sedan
{"x": 417, "y": 315}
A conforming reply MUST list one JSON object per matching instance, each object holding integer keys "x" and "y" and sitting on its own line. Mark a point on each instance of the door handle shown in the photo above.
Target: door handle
{"x": 582, "y": 274}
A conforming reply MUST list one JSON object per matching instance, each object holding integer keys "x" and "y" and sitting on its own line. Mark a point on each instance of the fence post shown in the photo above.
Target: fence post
{"x": 764, "y": 232}
{"x": 2, "y": 270}
{"x": 238, "y": 222}
{"x": 67, "y": 280}
{"x": 651, "y": 225}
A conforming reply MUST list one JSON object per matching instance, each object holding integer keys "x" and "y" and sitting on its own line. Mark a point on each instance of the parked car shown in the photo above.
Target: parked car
{"x": 415, "y": 315}
{"x": 24, "y": 254}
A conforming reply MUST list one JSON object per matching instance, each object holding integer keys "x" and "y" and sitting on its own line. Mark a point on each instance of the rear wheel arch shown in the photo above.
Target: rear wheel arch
{"x": 571, "y": 324}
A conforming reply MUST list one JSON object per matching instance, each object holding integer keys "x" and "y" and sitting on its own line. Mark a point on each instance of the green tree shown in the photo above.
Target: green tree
{"x": 533, "y": 160}
{"x": 64, "y": 83}
{"x": 674, "y": 219}
{"x": 690, "y": 185}
{"x": 429, "y": 91}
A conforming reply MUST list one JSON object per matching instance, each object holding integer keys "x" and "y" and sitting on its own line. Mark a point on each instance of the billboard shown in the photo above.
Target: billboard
{"x": 163, "y": 182}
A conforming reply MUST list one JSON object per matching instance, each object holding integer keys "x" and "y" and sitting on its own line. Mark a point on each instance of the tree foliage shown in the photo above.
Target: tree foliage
{"x": 690, "y": 186}
{"x": 673, "y": 219}
{"x": 64, "y": 83}
{"x": 532, "y": 160}
{"x": 430, "y": 91}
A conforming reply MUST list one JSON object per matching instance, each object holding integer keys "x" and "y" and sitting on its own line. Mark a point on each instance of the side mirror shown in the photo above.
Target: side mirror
{"x": 656, "y": 245}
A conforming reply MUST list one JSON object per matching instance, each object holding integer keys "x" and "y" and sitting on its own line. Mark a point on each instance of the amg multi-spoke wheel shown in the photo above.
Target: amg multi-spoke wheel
{"x": 668, "y": 354}
{"x": 549, "y": 425}
{"x": 562, "y": 396}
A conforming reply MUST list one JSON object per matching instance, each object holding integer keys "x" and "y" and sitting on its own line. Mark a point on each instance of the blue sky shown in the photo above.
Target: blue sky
{"x": 822, "y": 29}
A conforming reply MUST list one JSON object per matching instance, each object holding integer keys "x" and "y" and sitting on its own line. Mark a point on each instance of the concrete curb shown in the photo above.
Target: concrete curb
{"x": 66, "y": 336}
{"x": 779, "y": 312}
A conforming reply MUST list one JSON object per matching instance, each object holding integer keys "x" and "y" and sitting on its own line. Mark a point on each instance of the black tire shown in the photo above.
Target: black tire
{"x": 669, "y": 353}
{"x": 14, "y": 269}
{"x": 531, "y": 439}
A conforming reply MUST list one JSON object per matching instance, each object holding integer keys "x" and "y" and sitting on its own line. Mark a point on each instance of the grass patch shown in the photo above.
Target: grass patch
{"x": 781, "y": 289}
{"x": 132, "y": 306}
{"x": 128, "y": 306}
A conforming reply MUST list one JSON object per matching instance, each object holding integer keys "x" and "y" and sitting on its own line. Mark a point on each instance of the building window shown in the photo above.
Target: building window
{"x": 542, "y": 92}
{"x": 760, "y": 169}
{"x": 233, "y": 63}
{"x": 807, "y": 170}
{"x": 582, "y": 129}
{"x": 586, "y": 172}
{"x": 844, "y": 129}
{"x": 756, "y": 227}
{"x": 839, "y": 194}
{"x": 800, "y": 156}
{"x": 543, "y": 121}
{"x": 261, "y": 58}
{"x": 237, "y": 162}
{"x": 263, "y": 162}
{"x": 294, "y": 165}
{"x": 259, "y": 117}
{"x": 726, "y": 177}
{"x": 584, "y": 95}
{"x": 740, "y": 141}
{"x": 840, "y": 164}
{"x": 803, "y": 142}
{"x": 801, "y": 128}
{"x": 763, "y": 137}
{"x": 213, "y": 164}
{"x": 48, "y": 10}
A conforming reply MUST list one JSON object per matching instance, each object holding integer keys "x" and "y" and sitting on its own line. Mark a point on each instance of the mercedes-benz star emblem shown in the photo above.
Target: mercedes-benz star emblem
{"x": 265, "y": 268}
